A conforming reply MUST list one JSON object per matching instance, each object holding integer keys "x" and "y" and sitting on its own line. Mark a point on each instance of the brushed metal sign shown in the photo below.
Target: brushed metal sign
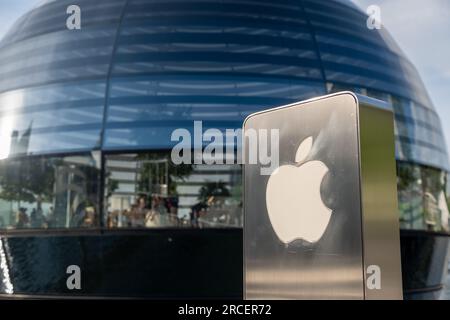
{"x": 324, "y": 223}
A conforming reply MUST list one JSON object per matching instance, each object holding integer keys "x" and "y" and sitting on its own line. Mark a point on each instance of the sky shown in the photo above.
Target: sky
{"x": 421, "y": 28}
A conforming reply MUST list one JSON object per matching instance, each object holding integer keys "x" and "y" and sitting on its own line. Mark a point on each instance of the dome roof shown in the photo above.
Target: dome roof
{"x": 138, "y": 69}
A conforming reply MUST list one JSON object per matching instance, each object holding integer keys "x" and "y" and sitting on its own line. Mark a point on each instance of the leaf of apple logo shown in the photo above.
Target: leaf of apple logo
{"x": 293, "y": 200}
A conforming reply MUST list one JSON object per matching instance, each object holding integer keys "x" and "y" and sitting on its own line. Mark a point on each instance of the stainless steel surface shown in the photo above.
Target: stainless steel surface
{"x": 379, "y": 200}
{"x": 446, "y": 293}
{"x": 279, "y": 264}
{"x": 331, "y": 268}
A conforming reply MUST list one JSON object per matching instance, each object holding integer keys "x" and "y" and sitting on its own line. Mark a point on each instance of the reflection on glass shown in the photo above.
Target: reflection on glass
{"x": 417, "y": 127}
{"x": 421, "y": 193}
{"x": 148, "y": 190}
{"x": 48, "y": 192}
{"x": 7, "y": 134}
{"x": 410, "y": 196}
{"x": 5, "y": 138}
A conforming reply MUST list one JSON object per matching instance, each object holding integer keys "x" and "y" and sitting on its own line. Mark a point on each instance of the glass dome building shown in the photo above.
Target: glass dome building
{"x": 86, "y": 118}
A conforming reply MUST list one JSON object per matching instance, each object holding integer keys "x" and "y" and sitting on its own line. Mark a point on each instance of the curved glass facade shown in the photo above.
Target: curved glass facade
{"x": 138, "y": 69}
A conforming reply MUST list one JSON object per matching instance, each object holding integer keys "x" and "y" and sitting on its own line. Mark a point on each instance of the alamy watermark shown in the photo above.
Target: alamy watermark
{"x": 215, "y": 146}
{"x": 73, "y": 21}
{"x": 373, "y": 281}
{"x": 73, "y": 281}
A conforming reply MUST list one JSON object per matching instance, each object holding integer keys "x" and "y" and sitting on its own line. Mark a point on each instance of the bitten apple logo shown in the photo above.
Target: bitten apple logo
{"x": 293, "y": 199}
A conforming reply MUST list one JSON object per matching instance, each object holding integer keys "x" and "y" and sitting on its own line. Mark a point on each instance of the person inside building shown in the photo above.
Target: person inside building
{"x": 22, "y": 220}
{"x": 138, "y": 213}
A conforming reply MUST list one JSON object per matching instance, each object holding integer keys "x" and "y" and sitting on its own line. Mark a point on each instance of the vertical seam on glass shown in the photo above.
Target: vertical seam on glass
{"x": 316, "y": 46}
{"x": 105, "y": 115}
{"x": 109, "y": 72}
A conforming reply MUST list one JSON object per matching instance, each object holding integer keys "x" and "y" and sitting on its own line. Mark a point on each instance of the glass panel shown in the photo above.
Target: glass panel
{"x": 272, "y": 11}
{"x": 417, "y": 128}
{"x": 148, "y": 190}
{"x": 410, "y": 196}
{"x": 43, "y": 51}
{"x": 435, "y": 204}
{"x": 422, "y": 200}
{"x": 49, "y": 192}
{"x": 47, "y": 18}
{"x": 358, "y": 61}
{"x": 142, "y": 108}
{"x": 51, "y": 118}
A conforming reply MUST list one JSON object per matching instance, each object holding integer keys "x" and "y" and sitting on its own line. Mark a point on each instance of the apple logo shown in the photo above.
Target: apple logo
{"x": 293, "y": 200}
